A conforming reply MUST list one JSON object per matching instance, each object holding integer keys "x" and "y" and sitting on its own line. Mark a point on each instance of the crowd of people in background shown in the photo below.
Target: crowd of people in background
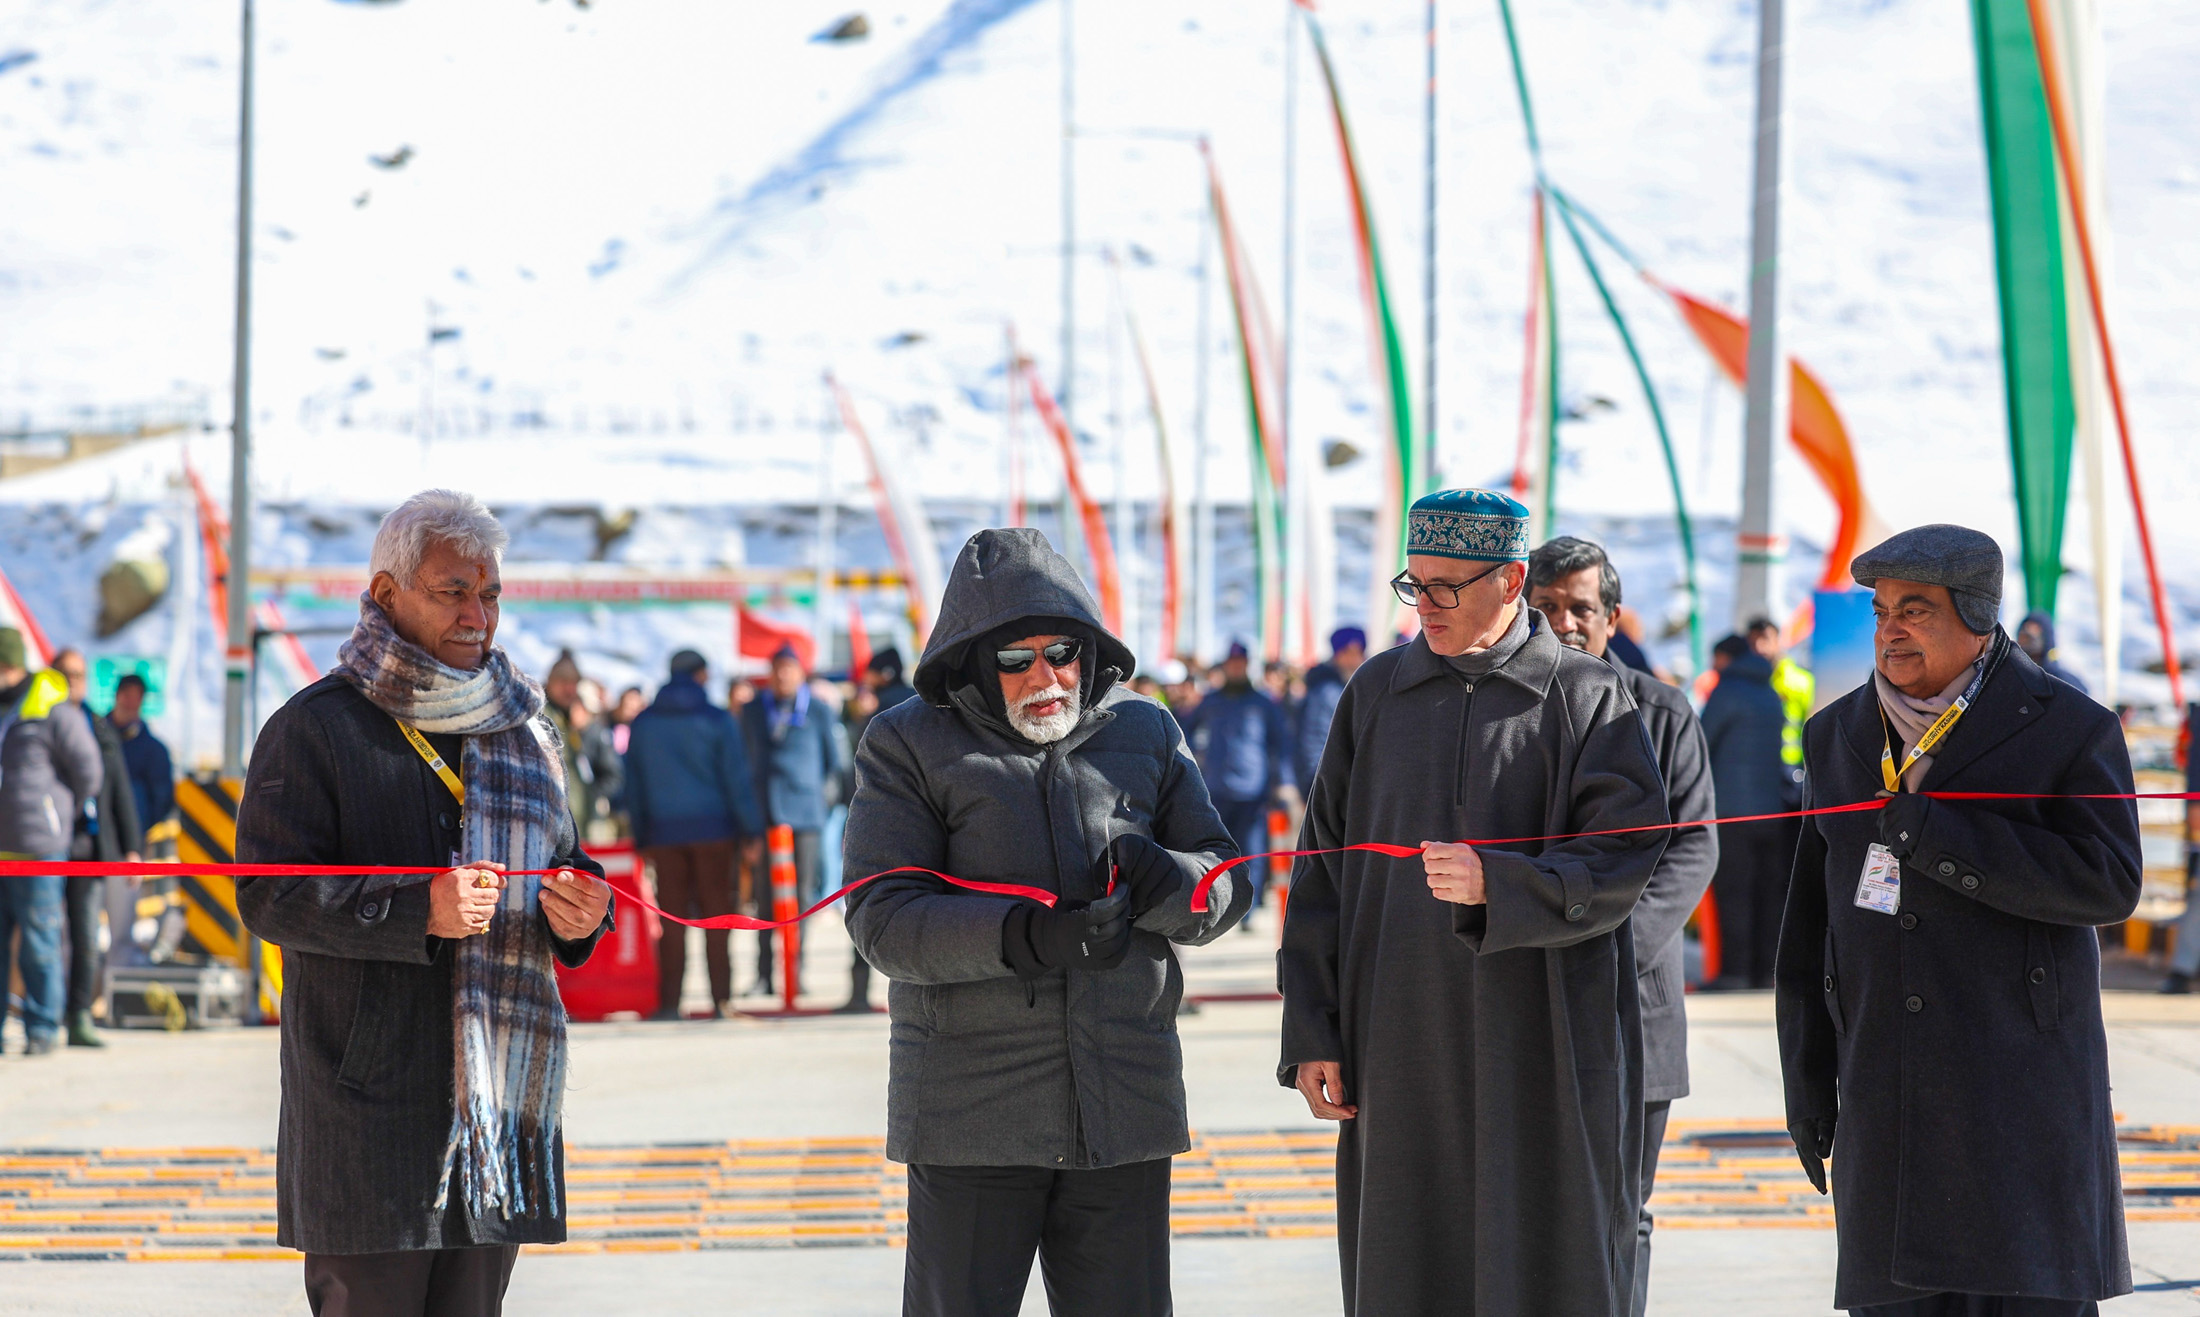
{"x": 75, "y": 785}
{"x": 696, "y": 784}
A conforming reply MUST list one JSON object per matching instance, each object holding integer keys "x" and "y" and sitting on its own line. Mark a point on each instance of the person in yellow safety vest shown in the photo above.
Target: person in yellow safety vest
{"x": 1797, "y": 689}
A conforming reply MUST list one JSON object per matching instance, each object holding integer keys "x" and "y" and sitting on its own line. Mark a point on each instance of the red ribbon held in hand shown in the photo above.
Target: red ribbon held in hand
{"x": 1199, "y": 893}
{"x": 160, "y": 869}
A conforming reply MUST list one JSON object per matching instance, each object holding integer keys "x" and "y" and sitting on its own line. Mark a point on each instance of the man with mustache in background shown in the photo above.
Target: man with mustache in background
{"x": 1573, "y": 584}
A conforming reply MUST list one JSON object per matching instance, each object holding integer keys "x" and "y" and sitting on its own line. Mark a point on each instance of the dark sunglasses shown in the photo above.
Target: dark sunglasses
{"x": 1060, "y": 654}
{"x": 1443, "y": 594}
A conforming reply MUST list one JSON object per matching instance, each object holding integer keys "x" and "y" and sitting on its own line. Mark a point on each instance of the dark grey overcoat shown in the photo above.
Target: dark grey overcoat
{"x": 1495, "y": 1051}
{"x": 1959, "y": 1041}
{"x": 1083, "y": 1069}
{"x": 367, "y": 1062}
{"x": 1676, "y": 888}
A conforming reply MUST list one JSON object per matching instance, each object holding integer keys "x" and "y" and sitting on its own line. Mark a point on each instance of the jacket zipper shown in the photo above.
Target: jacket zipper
{"x": 1466, "y": 724}
{"x": 1077, "y": 1154}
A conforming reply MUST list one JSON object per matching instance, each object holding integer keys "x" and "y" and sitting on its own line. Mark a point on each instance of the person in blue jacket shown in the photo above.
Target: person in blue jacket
{"x": 1743, "y": 723}
{"x": 794, "y": 757}
{"x": 1242, "y": 741}
{"x": 1324, "y": 687}
{"x": 688, "y": 795}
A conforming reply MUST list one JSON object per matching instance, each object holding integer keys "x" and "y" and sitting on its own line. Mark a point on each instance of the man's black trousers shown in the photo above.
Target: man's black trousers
{"x": 1102, "y": 1238}
{"x": 440, "y": 1282}
{"x": 1247, "y": 822}
{"x": 1750, "y": 884}
{"x": 86, "y": 898}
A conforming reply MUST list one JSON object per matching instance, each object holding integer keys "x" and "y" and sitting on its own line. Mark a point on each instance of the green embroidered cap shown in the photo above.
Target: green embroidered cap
{"x": 1480, "y": 525}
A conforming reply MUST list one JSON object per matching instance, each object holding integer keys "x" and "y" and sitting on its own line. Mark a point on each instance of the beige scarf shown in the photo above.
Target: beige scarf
{"x": 1911, "y": 717}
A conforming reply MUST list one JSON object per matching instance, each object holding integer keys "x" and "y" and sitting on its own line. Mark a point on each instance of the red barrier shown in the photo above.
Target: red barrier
{"x": 622, "y": 975}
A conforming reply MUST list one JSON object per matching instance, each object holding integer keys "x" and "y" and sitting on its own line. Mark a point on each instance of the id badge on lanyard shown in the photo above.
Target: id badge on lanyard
{"x": 1880, "y": 887}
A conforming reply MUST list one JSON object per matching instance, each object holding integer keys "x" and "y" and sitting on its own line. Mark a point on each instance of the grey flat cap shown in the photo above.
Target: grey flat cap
{"x": 1966, "y": 561}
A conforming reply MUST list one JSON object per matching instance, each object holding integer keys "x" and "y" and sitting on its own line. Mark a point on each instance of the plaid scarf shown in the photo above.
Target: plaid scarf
{"x": 506, "y": 1016}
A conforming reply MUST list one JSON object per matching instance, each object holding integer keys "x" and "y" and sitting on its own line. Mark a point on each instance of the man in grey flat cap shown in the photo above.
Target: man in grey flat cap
{"x": 1938, "y": 984}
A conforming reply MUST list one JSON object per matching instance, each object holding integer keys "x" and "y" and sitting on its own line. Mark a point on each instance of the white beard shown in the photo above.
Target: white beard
{"x": 1047, "y": 730}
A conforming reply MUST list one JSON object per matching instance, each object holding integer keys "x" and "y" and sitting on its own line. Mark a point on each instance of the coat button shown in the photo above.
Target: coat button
{"x": 1909, "y": 921}
{"x": 1946, "y": 867}
{"x": 1576, "y": 910}
{"x": 1915, "y": 1004}
{"x": 369, "y": 910}
{"x": 443, "y": 820}
{"x": 1970, "y": 882}
{"x": 2039, "y": 974}
{"x": 1829, "y": 983}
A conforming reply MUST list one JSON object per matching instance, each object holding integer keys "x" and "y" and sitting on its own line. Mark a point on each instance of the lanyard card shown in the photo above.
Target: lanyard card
{"x": 1881, "y": 886}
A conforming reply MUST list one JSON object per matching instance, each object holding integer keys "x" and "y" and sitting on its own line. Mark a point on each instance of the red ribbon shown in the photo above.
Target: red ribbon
{"x": 157, "y": 869}
{"x": 1199, "y": 893}
{"x": 153, "y": 869}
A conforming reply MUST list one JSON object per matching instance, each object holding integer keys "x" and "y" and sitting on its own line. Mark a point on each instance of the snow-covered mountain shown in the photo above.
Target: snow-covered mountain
{"x": 587, "y": 254}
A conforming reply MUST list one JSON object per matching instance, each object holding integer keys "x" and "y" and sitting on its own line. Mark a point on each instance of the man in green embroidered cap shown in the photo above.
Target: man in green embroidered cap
{"x": 1472, "y": 1018}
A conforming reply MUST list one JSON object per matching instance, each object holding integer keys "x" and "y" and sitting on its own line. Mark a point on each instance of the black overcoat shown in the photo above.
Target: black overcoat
{"x": 1495, "y": 1052}
{"x": 367, "y": 1061}
{"x": 1676, "y": 888}
{"x": 1960, "y": 1039}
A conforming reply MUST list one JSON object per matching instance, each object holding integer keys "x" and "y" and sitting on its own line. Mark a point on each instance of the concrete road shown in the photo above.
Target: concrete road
{"x": 825, "y": 1076}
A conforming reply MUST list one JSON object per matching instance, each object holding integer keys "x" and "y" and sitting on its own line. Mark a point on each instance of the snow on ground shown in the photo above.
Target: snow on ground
{"x": 604, "y": 256}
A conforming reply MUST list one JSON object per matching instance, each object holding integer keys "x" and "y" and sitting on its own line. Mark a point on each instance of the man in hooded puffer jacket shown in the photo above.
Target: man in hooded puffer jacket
{"x": 1037, "y": 1090}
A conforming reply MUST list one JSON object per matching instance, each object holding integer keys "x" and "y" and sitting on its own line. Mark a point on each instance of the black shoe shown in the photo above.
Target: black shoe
{"x": 38, "y": 1046}
{"x": 853, "y": 1006}
{"x": 666, "y": 1014}
{"x": 2176, "y": 985}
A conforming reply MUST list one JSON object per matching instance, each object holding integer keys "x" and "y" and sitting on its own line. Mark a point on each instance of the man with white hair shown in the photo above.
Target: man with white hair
{"x": 1037, "y": 1087}
{"x": 423, "y": 1037}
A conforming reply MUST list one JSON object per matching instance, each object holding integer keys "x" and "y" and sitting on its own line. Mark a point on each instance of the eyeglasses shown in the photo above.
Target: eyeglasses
{"x": 1443, "y": 594}
{"x": 1060, "y": 654}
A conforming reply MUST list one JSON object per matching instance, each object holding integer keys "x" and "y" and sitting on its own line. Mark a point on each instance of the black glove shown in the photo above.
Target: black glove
{"x": 1149, "y": 869}
{"x": 1902, "y": 823}
{"x": 1035, "y": 939}
{"x": 1813, "y": 1144}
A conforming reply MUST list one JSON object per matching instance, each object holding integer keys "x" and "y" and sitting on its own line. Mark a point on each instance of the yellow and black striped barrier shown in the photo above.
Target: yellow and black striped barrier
{"x": 206, "y": 812}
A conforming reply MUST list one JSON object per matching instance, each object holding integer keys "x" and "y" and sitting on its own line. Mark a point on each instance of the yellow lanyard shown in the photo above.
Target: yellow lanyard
{"x": 1933, "y": 736}
{"x": 435, "y": 761}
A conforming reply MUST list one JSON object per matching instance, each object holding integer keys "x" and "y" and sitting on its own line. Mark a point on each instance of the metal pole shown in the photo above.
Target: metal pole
{"x": 1065, "y": 392}
{"x": 238, "y": 669}
{"x": 1203, "y": 508}
{"x": 1289, "y": 558}
{"x": 1759, "y": 547}
{"x": 1428, "y": 279}
{"x": 828, "y": 529}
{"x": 1126, "y": 532}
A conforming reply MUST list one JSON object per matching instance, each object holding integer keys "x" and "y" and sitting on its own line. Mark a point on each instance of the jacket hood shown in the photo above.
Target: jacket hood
{"x": 999, "y": 577}
{"x": 2046, "y": 624}
{"x": 681, "y": 693}
{"x": 1749, "y": 667}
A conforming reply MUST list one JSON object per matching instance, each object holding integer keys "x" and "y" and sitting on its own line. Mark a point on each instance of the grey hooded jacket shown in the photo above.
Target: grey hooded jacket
{"x": 1080, "y": 1069}
{"x": 49, "y": 766}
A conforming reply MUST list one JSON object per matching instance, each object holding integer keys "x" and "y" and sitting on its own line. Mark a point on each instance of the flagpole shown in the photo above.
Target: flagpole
{"x": 238, "y": 667}
{"x": 1065, "y": 392}
{"x": 1203, "y": 508}
{"x": 1759, "y": 547}
{"x": 828, "y": 529}
{"x": 1428, "y": 277}
{"x": 1291, "y": 552}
